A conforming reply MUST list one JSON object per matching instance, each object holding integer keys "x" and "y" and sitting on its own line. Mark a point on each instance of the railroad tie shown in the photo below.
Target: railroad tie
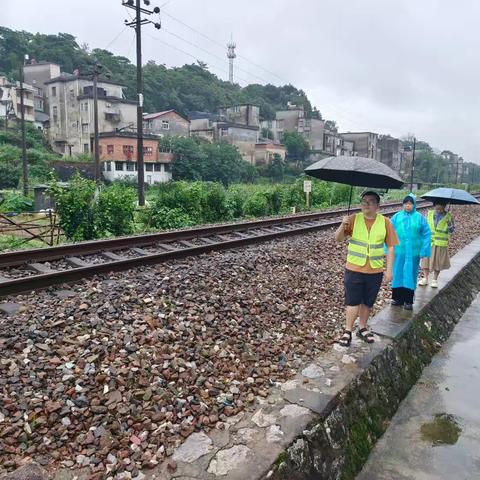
{"x": 39, "y": 268}
{"x": 139, "y": 251}
{"x": 77, "y": 262}
{"x": 112, "y": 256}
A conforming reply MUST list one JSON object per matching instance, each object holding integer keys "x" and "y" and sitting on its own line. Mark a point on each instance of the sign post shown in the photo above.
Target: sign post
{"x": 307, "y": 188}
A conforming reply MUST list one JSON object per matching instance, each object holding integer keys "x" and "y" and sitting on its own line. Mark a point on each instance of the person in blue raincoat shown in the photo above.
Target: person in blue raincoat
{"x": 414, "y": 235}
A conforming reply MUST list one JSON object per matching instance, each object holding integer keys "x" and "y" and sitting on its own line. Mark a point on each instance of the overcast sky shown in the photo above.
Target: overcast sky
{"x": 388, "y": 66}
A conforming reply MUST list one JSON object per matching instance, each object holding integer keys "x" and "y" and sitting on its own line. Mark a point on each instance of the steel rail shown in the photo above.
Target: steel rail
{"x": 246, "y": 233}
{"x": 20, "y": 257}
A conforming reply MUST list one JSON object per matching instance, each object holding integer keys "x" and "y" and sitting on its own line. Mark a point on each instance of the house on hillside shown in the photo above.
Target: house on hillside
{"x": 70, "y": 100}
{"x": 365, "y": 143}
{"x": 168, "y": 122}
{"x": 37, "y": 74}
{"x": 10, "y": 103}
{"x": 118, "y": 155}
{"x": 389, "y": 151}
{"x": 237, "y": 125}
{"x": 265, "y": 150}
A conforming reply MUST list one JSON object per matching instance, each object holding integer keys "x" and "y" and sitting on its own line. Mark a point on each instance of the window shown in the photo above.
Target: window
{"x": 166, "y": 167}
{"x": 128, "y": 150}
{"x": 55, "y": 114}
{"x": 54, "y": 91}
{"x": 85, "y": 106}
{"x": 223, "y": 131}
{"x": 72, "y": 94}
{"x": 165, "y": 125}
{"x": 119, "y": 166}
{"x": 110, "y": 149}
{"x": 109, "y": 167}
{"x": 157, "y": 167}
{"x": 149, "y": 151}
{"x": 100, "y": 149}
{"x": 85, "y": 128}
{"x": 130, "y": 167}
{"x": 149, "y": 167}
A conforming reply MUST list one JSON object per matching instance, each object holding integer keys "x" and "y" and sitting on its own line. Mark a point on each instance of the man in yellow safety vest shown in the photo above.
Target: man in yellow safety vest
{"x": 368, "y": 233}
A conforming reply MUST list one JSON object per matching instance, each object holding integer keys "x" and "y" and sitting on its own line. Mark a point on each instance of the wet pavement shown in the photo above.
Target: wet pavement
{"x": 435, "y": 434}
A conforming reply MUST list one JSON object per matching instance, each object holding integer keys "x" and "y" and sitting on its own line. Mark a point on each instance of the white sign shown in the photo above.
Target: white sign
{"x": 307, "y": 186}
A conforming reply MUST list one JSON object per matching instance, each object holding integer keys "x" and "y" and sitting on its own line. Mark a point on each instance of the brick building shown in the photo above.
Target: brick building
{"x": 168, "y": 122}
{"x": 118, "y": 154}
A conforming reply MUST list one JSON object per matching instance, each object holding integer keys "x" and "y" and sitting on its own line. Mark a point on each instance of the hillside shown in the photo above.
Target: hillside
{"x": 190, "y": 87}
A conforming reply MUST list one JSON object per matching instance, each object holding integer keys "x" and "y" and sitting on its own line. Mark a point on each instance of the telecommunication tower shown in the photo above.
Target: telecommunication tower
{"x": 231, "y": 55}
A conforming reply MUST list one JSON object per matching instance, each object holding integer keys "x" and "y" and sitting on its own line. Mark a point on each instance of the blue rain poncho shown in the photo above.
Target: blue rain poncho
{"x": 414, "y": 236}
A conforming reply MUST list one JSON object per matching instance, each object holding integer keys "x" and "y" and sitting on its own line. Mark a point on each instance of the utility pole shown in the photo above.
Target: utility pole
{"x": 413, "y": 164}
{"x": 24, "y": 141}
{"x": 137, "y": 25}
{"x": 96, "y": 71}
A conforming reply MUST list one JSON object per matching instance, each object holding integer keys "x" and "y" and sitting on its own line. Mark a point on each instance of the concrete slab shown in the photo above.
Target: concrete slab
{"x": 436, "y": 432}
{"x": 9, "y": 308}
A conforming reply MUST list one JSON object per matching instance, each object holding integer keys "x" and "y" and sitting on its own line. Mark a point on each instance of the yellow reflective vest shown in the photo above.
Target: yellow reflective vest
{"x": 364, "y": 244}
{"x": 440, "y": 234}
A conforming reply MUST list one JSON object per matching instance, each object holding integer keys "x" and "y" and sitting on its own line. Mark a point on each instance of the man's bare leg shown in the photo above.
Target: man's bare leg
{"x": 351, "y": 314}
{"x": 363, "y": 314}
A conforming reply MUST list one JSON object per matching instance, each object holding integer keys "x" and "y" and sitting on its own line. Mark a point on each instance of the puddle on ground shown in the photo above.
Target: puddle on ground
{"x": 443, "y": 430}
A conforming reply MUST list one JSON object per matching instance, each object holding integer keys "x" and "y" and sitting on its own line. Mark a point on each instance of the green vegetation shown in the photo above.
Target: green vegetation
{"x": 433, "y": 168}
{"x": 187, "y": 88}
{"x": 212, "y": 162}
{"x": 87, "y": 213}
{"x": 39, "y": 155}
{"x": 14, "y": 201}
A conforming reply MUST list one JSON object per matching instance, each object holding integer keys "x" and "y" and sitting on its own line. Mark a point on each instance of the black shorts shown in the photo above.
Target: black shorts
{"x": 361, "y": 288}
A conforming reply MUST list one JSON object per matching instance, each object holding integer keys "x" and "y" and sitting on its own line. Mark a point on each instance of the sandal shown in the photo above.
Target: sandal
{"x": 365, "y": 335}
{"x": 346, "y": 339}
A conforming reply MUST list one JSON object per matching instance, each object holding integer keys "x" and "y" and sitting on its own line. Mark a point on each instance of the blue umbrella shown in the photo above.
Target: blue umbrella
{"x": 454, "y": 196}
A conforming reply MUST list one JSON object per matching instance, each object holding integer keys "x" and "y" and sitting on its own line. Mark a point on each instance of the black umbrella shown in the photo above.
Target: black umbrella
{"x": 355, "y": 171}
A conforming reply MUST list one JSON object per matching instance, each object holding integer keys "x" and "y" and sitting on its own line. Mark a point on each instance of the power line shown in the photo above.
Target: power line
{"x": 116, "y": 38}
{"x": 340, "y": 111}
{"x": 193, "y": 56}
{"x": 219, "y": 44}
{"x": 344, "y": 115}
{"x": 211, "y": 54}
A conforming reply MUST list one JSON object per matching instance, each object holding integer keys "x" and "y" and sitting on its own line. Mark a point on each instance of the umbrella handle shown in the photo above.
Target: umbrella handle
{"x": 350, "y": 199}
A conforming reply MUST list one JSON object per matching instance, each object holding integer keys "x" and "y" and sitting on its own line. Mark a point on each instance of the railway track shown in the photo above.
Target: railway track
{"x": 24, "y": 271}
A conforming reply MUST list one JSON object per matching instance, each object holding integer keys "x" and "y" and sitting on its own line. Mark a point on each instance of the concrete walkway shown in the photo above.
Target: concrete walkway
{"x": 435, "y": 434}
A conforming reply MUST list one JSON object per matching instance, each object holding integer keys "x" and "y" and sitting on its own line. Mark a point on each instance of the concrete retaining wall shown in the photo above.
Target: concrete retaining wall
{"x": 336, "y": 444}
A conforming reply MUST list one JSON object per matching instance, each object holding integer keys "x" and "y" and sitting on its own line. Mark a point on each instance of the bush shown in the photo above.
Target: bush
{"x": 235, "y": 198}
{"x": 10, "y": 166}
{"x": 256, "y": 205}
{"x": 76, "y": 207}
{"x": 164, "y": 218}
{"x": 87, "y": 213}
{"x": 116, "y": 209}
{"x": 213, "y": 206}
{"x": 15, "y": 202}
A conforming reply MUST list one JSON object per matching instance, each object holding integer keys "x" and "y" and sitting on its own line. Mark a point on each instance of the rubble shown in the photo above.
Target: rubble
{"x": 118, "y": 375}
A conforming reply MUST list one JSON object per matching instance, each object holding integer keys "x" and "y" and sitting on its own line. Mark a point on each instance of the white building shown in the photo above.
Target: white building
{"x": 118, "y": 154}
{"x": 70, "y": 103}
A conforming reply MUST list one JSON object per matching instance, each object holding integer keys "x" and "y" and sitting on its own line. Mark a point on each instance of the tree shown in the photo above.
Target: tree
{"x": 297, "y": 147}
{"x": 276, "y": 169}
{"x": 199, "y": 160}
{"x": 331, "y": 125}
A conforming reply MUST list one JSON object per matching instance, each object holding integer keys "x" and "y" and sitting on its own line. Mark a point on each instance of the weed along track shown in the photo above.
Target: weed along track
{"x": 24, "y": 271}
